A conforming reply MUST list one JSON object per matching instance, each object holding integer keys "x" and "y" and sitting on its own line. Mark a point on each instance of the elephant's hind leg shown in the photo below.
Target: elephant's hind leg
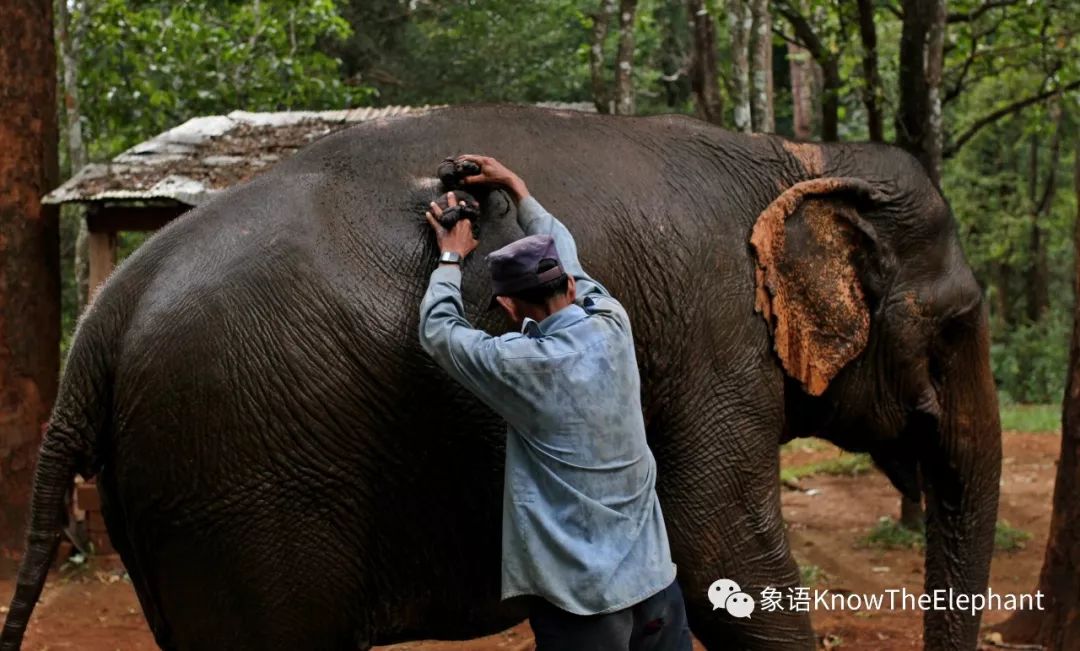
{"x": 719, "y": 489}
{"x": 264, "y": 580}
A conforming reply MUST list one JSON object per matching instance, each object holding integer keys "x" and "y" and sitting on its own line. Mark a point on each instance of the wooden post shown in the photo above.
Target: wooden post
{"x": 102, "y": 260}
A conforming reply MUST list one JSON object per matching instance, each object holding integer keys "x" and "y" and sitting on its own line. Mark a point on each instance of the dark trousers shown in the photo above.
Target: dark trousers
{"x": 656, "y": 624}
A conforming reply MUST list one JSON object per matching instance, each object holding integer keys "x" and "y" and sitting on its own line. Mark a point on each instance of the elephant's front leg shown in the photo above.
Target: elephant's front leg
{"x": 719, "y": 489}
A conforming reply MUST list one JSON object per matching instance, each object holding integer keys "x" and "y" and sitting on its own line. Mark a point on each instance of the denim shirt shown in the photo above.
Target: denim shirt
{"x": 582, "y": 525}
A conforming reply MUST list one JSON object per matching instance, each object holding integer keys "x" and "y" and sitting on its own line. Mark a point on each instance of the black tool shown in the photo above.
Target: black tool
{"x": 467, "y": 208}
{"x": 452, "y": 171}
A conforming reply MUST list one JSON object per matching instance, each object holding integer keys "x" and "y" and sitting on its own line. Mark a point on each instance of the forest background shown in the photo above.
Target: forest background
{"x": 984, "y": 92}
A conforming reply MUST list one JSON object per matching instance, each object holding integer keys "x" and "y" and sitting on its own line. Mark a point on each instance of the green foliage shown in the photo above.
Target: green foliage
{"x": 1008, "y": 538}
{"x": 147, "y": 66}
{"x": 812, "y": 575}
{"x": 1031, "y": 418}
{"x": 844, "y": 464}
{"x": 989, "y": 186}
{"x": 890, "y": 534}
{"x": 887, "y": 533}
{"x": 1030, "y": 359}
{"x": 466, "y": 51}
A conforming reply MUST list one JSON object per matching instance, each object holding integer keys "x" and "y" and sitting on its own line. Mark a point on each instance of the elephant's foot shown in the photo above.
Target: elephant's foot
{"x": 761, "y": 631}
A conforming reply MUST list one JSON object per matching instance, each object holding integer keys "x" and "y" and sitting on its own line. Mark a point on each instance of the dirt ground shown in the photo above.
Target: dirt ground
{"x": 95, "y": 609}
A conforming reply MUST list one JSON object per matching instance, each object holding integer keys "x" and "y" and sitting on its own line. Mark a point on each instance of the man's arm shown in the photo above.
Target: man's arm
{"x": 535, "y": 220}
{"x": 468, "y": 355}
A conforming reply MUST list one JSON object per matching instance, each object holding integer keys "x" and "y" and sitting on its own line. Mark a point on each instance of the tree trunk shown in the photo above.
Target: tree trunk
{"x": 802, "y": 91}
{"x": 740, "y": 22}
{"x": 624, "y": 61}
{"x": 703, "y": 71}
{"x": 871, "y": 75}
{"x": 29, "y": 248}
{"x": 676, "y": 53}
{"x": 918, "y": 117}
{"x": 935, "y": 61}
{"x": 1038, "y": 290}
{"x": 1057, "y": 628}
{"x": 830, "y": 100}
{"x": 830, "y": 69}
{"x": 601, "y": 24}
{"x": 761, "y": 67}
{"x": 68, "y": 40}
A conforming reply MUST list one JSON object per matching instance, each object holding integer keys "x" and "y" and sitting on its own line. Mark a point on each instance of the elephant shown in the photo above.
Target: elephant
{"x": 282, "y": 467}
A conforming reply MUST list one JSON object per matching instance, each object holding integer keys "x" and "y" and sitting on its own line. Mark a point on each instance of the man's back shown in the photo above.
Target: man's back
{"x": 583, "y": 533}
{"x": 582, "y": 526}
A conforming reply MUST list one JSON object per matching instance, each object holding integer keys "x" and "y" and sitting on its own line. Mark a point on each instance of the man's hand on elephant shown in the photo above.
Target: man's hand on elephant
{"x": 493, "y": 172}
{"x": 458, "y": 239}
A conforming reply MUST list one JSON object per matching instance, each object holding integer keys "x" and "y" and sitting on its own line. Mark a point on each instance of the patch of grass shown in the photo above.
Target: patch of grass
{"x": 890, "y": 534}
{"x": 812, "y": 575}
{"x": 808, "y": 444}
{"x": 1031, "y": 418}
{"x": 1008, "y": 538}
{"x": 846, "y": 464}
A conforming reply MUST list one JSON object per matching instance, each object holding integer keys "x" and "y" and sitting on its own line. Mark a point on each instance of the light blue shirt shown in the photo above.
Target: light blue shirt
{"x": 582, "y": 525}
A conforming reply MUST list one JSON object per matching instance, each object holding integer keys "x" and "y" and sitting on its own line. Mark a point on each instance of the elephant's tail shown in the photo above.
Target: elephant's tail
{"x": 79, "y": 417}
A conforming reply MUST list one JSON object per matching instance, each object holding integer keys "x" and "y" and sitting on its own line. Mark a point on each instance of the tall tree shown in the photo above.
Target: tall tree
{"x": 68, "y": 38}
{"x": 373, "y": 52}
{"x": 704, "y": 76}
{"x": 1057, "y": 628}
{"x": 918, "y": 116}
{"x": 601, "y": 25}
{"x": 624, "y": 59}
{"x": 29, "y": 254}
{"x": 1041, "y": 199}
{"x": 740, "y": 23}
{"x": 871, "y": 75}
{"x": 800, "y": 67}
{"x": 806, "y": 37}
{"x": 675, "y": 58}
{"x": 761, "y": 72}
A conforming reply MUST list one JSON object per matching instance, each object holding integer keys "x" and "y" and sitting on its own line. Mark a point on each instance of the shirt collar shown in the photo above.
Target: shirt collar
{"x": 565, "y": 317}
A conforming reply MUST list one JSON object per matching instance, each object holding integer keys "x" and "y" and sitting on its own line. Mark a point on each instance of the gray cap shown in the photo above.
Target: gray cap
{"x": 515, "y": 267}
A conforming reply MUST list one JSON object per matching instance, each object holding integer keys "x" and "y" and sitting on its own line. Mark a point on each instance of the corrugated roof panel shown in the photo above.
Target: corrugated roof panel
{"x": 194, "y": 160}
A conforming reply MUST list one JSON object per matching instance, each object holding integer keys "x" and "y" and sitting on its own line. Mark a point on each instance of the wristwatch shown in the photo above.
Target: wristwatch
{"x": 450, "y": 257}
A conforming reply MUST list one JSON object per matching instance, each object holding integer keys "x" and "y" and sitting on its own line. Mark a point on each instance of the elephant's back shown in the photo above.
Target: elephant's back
{"x": 303, "y": 285}
{"x": 308, "y": 278}
{"x": 651, "y": 201}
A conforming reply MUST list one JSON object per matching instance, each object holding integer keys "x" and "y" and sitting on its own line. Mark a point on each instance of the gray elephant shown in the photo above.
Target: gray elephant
{"x": 282, "y": 467}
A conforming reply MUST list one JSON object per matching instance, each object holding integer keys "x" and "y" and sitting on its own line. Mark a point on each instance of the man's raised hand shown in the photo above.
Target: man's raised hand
{"x": 492, "y": 172}
{"x": 458, "y": 239}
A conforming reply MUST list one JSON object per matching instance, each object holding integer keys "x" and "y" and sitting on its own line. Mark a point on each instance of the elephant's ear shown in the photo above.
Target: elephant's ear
{"x": 808, "y": 244}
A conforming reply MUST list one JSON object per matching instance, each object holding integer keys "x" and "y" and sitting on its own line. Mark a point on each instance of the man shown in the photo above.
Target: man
{"x": 583, "y": 535}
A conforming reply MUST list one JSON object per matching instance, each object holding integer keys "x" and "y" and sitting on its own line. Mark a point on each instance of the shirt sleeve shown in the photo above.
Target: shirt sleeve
{"x": 468, "y": 355}
{"x": 535, "y": 220}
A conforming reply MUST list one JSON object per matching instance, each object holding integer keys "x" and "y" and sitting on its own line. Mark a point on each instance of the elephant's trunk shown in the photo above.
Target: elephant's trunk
{"x": 961, "y": 467}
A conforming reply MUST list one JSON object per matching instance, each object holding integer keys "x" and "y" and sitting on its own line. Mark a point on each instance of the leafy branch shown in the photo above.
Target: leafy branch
{"x": 1008, "y": 109}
